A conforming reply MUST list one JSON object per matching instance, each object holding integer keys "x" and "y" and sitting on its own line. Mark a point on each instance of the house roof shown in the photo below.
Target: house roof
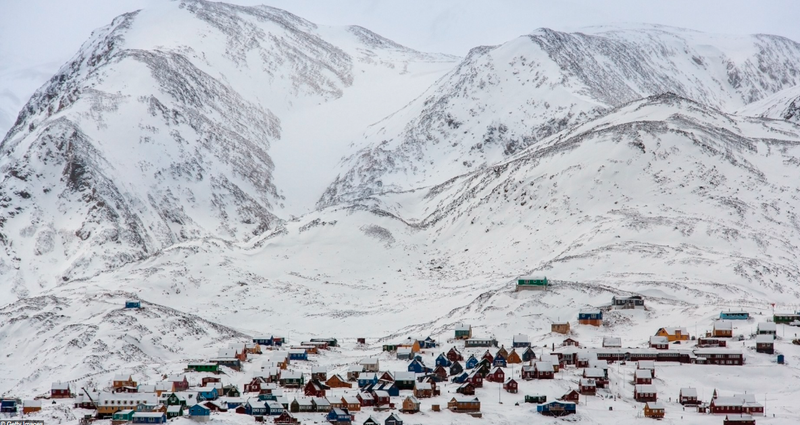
{"x": 404, "y": 376}
{"x": 520, "y": 338}
{"x": 175, "y": 408}
{"x": 594, "y": 372}
{"x": 647, "y": 388}
{"x": 767, "y": 326}
{"x": 355, "y": 368}
{"x": 586, "y": 382}
{"x": 671, "y": 330}
{"x": 723, "y": 325}
{"x": 32, "y": 403}
{"x": 646, "y": 364}
{"x": 404, "y": 350}
{"x": 60, "y": 386}
{"x": 689, "y": 392}
{"x": 148, "y": 414}
{"x": 303, "y": 401}
{"x": 382, "y": 394}
{"x": 652, "y": 405}
{"x": 369, "y": 361}
{"x": 659, "y": 340}
{"x": 366, "y": 396}
{"x": 319, "y": 369}
{"x": 121, "y": 377}
{"x": 465, "y": 399}
{"x": 463, "y": 327}
{"x": 612, "y": 341}
{"x": 290, "y": 374}
{"x": 423, "y": 385}
{"x": 350, "y": 399}
{"x": 367, "y": 375}
{"x": 643, "y": 374}
{"x": 764, "y": 339}
{"x": 146, "y": 388}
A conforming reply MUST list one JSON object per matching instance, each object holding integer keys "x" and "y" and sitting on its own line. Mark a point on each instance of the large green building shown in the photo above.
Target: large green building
{"x": 532, "y": 282}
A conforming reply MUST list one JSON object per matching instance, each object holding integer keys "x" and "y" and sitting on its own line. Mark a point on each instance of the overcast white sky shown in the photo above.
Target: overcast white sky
{"x": 37, "y": 36}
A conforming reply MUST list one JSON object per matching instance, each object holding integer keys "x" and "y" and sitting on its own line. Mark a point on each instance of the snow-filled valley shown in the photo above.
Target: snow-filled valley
{"x": 243, "y": 172}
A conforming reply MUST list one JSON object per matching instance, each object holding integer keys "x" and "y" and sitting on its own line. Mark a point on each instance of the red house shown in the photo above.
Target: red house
{"x": 208, "y": 379}
{"x": 511, "y": 386}
{"x": 60, "y": 390}
{"x": 454, "y": 355}
{"x": 497, "y": 375}
{"x": 688, "y": 396}
{"x": 488, "y": 356}
{"x": 366, "y": 399}
{"x": 475, "y": 379}
{"x": 587, "y": 386}
{"x": 543, "y": 370}
{"x": 598, "y": 375}
{"x": 441, "y": 373}
{"x": 315, "y": 388}
{"x": 572, "y": 396}
{"x": 643, "y": 377}
{"x": 645, "y": 393}
{"x": 466, "y": 388}
{"x": 659, "y": 342}
{"x": 254, "y": 386}
{"x": 381, "y": 397}
{"x": 569, "y": 342}
{"x": 738, "y": 404}
{"x": 180, "y": 383}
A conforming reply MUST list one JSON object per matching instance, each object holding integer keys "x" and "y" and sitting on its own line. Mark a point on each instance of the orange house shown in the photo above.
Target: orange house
{"x": 337, "y": 381}
{"x": 674, "y": 334}
{"x": 121, "y": 381}
{"x": 513, "y": 357}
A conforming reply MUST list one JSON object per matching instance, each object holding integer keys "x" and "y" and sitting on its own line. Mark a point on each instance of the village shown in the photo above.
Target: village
{"x": 272, "y": 379}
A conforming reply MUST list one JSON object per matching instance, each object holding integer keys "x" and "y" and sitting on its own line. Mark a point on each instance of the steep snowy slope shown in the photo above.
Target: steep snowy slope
{"x": 502, "y": 99}
{"x": 158, "y": 131}
{"x": 784, "y": 105}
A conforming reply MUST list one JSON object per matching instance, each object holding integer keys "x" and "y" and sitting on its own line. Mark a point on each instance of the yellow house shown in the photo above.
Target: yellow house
{"x": 674, "y": 334}
{"x": 410, "y": 343}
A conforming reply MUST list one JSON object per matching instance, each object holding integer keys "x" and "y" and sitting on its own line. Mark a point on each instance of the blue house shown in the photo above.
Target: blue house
{"x": 365, "y": 379}
{"x": 472, "y": 361}
{"x": 499, "y": 361}
{"x": 443, "y": 361}
{"x": 417, "y": 366}
{"x": 206, "y": 393}
{"x": 557, "y": 408}
{"x": 389, "y": 387}
{"x": 427, "y": 343}
{"x": 339, "y": 416}
{"x": 199, "y": 410}
{"x": 133, "y": 304}
{"x": 267, "y": 397}
{"x": 298, "y": 355}
{"x": 734, "y": 315}
{"x": 255, "y": 408}
{"x": 461, "y": 378}
{"x": 274, "y": 408}
{"x": 149, "y": 418}
{"x": 393, "y": 419}
{"x": 9, "y": 405}
{"x": 233, "y": 403}
{"x": 528, "y": 355}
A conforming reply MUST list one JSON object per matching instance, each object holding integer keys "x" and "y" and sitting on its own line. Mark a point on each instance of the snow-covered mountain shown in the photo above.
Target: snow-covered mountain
{"x": 177, "y": 163}
{"x": 159, "y": 131}
{"x": 502, "y": 99}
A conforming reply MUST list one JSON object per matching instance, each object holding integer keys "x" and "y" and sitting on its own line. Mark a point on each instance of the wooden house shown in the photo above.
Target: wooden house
{"x": 199, "y": 413}
{"x": 645, "y": 393}
{"x": 560, "y": 327}
{"x": 765, "y": 344}
{"x": 718, "y": 356}
{"x": 767, "y": 328}
{"x": 739, "y": 419}
{"x": 286, "y": 418}
{"x": 674, "y": 334}
{"x": 467, "y": 388}
{"x": 441, "y": 373}
{"x": 60, "y": 390}
{"x": 418, "y": 366}
{"x": 203, "y": 367}
{"x": 319, "y": 373}
{"x": 487, "y": 355}
{"x": 612, "y": 342}
{"x": 532, "y": 283}
{"x": 496, "y": 375}
{"x": 315, "y": 388}
{"x": 370, "y": 364}
{"x": 520, "y": 340}
{"x": 336, "y": 381}
{"x": 528, "y": 355}
{"x": 393, "y": 419}
{"x": 643, "y": 377}
{"x": 569, "y": 342}
{"x": 454, "y": 355}
{"x": 410, "y": 405}
{"x": 456, "y": 368}
{"x": 706, "y": 342}
{"x": 31, "y": 406}
{"x": 339, "y": 417}
{"x": 464, "y": 404}
{"x": 404, "y": 353}
{"x": 513, "y": 357}
{"x": 587, "y": 386}
{"x": 423, "y": 390}
{"x": 590, "y": 317}
{"x": 722, "y": 329}
{"x": 597, "y": 375}
{"x": 442, "y": 360}
{"x": 659, "y": 342}
{"x": 557, "y": 408}
{"x": 332, "y": 342}
{"x": 230, "y": 390}
{"x": 654, "y": 409}
{"x": 635, "y": 301}
{"x": 511, "y": 386}
{"x": 475, "y": 378}
{"x": 688, "y": 397}
{"x": 123, "y": 381}
{"x": 353, "y": 371}
{"x": 573, "y": 396}
{"x": 463, "y": 331}
{"x": 301, "y": 405}
{"x": 321, "y": 404}
{"x": 411, "y": 343}
{"x": 292, "y": 379}
{"x": 367, "y": 378}
{"x": 205, "y": 380}
{"x": 175, "y": 411}
{"x": 298, "y": 354}
{"x": 371, "y": 421}
{"x": 352, "y": 403}
{"x": 366, "y": 399}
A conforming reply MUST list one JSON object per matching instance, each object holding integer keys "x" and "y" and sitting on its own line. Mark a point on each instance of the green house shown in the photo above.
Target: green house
{"x": 536, "y": 399}
{"x": 532, "y": 282}
{"x": 463, "y": 331}
{"x": 785, "y": 317}
{"x": 174, "y": 411}
{"x": 390, "y": 347}
{"x": 203, "y": 367}
{"x": 174, "y": 400}
{"x": 122, "y": 416}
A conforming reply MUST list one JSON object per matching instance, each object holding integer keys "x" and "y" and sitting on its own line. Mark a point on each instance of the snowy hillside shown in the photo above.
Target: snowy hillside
{"x": 502, "y": 99}
{"x": 149, "y": 136}
{"x": 783, "y": 105}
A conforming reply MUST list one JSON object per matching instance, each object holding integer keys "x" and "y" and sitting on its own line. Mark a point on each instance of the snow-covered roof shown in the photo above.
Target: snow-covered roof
{"x": 423, "y": 385}
{"x": 659, "y": 340}
{"x": 767, "y": 326}
{"x": 655, "y": 405}
{"x": 355, "y": 368}
{"x": 273, "y": 404}
{"x": 520, "y": 338}
{"x": 366, "y": 396}
{"x": 404, "y": 350}
{"x": 291, "y": 375}
{"x": 303, "y": 401}
{"x": 643, "y": 374}
{"x": 723, "y": 325}
{"x": 689, "y": 392}
{"x": 148, "y": 414}
{"x": 32, "y": 403}
{"x": 175, "y": 408}
{"x": 350, "y": 399}
{"x": 367, "y": 375}
{"x": 226, "y": 353}
{"x": 382, "y": 393}
{"x": 672, "y": 330}
{"x": 612, "y": 341}
{"x": 60, "y": 386}
{"x": 463, "y": 327}
{"x": 146, "y": 388}
{"x": 588, "y": 382}
{"x": 646, "y": 364}
{"x": 646, "y": 388}
{"x": 121, "y": 377}
{"x": 321, "y": 401}
{"x": 369, "y": 361}
{"x": 593, "y": 372}
{"x": 765, "y": 339}
{"x": 404, "y": 376}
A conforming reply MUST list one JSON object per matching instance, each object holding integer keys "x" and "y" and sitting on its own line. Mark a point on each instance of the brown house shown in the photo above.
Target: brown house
{"x": 513, "y": 357}
{"x": 653, "y": 409}
{"x": 336, "y": 381}
{"x": 423, "y": 390}
{"x": 30, "y": 406}
{"x": 569, "y": 342}
{"x": 464, "y": 404}
{"x": 466, "y": 389}
{"x": 562, "y": 328}
{"x": 314, "y": 388}
{"x": 352, "y": 403}
{"x": 722, "y": 329}
{"x": 572, "y": 396}
{"x": 121, "y": 381}
{"x": 410, "y": 405}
